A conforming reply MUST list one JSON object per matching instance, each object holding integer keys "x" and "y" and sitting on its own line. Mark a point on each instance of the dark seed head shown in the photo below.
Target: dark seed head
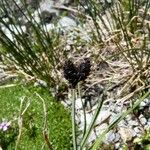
{"x": 71, "y": 73}
{"x": 76, "y": 74}
{"x": 84, "y": 69}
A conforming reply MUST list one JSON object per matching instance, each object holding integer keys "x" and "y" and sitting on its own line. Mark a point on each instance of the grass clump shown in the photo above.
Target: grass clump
{"x": 58, "y": 119}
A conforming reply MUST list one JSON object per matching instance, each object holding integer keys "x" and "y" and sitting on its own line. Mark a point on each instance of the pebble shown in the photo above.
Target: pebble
{"x": 92, "y": 137}
{"x": 133, "y": 133}
{"x": 117, "y": 145}
{"x": 125, "y": 133}
{"x": 133, "y": 123}
{"x": 110, "y": 136}
{"x": 122, "y": 123}
{"x": 142, "y": 104}
{"x": 103, "y": 115}
{"x": 79, "y": 104}
{"x": 137, "y": 130}
{"x": 117, "y": 137}
{"x": 148, "y": 123}
{"x": 143, "y": 121}
{"x": 40, "y": 83}
{"x": 67, "y": 23}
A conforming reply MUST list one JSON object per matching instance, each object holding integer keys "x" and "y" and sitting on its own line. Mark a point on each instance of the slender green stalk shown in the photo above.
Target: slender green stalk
{"x": 85, "y": 138}
{"x": 84, "y": 113}
{"x": 98, "y": 142}
{"x": 73, "y": 121}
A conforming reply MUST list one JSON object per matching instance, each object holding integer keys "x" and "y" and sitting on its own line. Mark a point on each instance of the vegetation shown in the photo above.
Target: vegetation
{"x": 32, "y": 121}
{"x": 119, "y": 39}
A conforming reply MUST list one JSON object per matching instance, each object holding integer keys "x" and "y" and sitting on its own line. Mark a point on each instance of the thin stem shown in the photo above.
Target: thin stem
{"x": 84, "y": 113}
{"x": 85, "y": 138}
{"x": 73, "y": 121}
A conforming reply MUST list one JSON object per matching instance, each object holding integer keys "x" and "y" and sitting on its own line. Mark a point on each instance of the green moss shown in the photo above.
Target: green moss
{"x": 58, "y": 118}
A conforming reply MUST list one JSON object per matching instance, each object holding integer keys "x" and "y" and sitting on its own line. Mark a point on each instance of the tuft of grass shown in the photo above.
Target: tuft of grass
{"x": 31, "y": 46}
{"x": 58, "y": 118}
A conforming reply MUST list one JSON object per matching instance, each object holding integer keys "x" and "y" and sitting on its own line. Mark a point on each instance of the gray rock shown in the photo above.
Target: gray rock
{"x": 125, "y": 133}
{"x": 40, "y": 83}
{"x": 137, "y": 130}
{"x": 46, "y": 5}
{"x": 142, "y": 104}
{"x": 122, "y": 123}
{"x": 99, "y": 129}
{"x": 143, "y": 121}
{"x": 79, "y": 104}
{"x": 110, "y": 136}
{"x": 92, "y": 137}
{"x": 103, "y": 115}
{"x": 133, "y": 133}
{"x": 133, "y": 123}
{"x": 117, "y": 145}
{"x": 66, "y": 23}
{"x": 117, "y": 137}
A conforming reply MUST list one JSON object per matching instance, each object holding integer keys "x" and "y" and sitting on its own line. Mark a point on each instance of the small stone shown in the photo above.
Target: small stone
{"x": 67, "y": 23}
{"x": 78, "y": 103}
{"x": 99, "y": 129}
{"x": 110, "y": 136}
{"x": 40, "y": 83}
{"x": 122, "y": 123}
{"x": 148, "y": 123}
{"x": 117, "y": 145}
{"x": 133, "y": 123}
{"x": 128, "y": 117}
{"x": 126, "y": 134}
{"x": 137, "y": 130}
{"x": 92, "y": 137}
{"x": 142, "y": 104}
{"x": 104, "y": 115}
{"x": 147, "y": 101}
{"x": 68, "y": 47}
{"x": 147, "y": 127}
{"x": 143, "y": 121}
{"x": 133, "y": 133}
{"x": 117, "y": 137}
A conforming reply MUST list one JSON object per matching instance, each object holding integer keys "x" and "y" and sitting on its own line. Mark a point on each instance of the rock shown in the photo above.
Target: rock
{"x": 92, "y": 137}
{"x": 117, "y": 137}
{"x": 147, "y": 127}
{"x": 148, "y": 123}
{"x": 133, "y": 123}
{"x": 138, "y": 130}
{"x": 147, "y": 101}
{"x": 117, "y": 145}
{"x": 143, "y": 121}
{"x": 133, "y": 133}
{"x": 46, "y": 5}
{"x": 110, "y": 136}
{"x": 122, "y": 123}
{"x": 103, "y": 115}
{"x": 66, "y": 23}
{"x": 99, "y": 129}
{"x": 128, "y": 118}
{"x": 142, "y": 104}
{"x": 40, "y": 83}
{"x": 79, "y": 103}
{"x": 126, "y": 134}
